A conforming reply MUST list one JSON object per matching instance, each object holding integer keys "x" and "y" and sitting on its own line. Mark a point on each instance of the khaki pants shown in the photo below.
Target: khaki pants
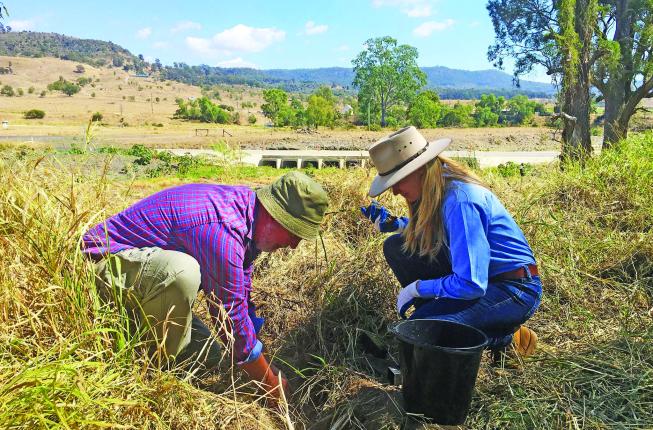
{"x": 159, "y": 287}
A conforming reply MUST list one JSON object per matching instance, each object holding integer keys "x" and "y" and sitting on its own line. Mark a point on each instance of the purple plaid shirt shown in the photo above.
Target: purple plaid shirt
{"x": 212, "y": 223}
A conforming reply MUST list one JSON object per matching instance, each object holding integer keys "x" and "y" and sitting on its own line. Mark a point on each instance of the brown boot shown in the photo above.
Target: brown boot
{"x": 524, "y": 341}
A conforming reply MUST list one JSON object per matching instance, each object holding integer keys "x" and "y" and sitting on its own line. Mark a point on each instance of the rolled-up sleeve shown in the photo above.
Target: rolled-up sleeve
{"x": 220, "y": 254}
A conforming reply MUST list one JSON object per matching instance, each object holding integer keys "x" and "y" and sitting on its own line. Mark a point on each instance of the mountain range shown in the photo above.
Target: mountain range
{"x": 449, "y": 83}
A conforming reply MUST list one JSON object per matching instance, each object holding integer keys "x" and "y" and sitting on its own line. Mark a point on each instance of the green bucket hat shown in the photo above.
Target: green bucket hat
{"x": 296, "y": 202}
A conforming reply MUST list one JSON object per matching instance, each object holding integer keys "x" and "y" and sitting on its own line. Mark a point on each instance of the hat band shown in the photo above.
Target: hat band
{"x": 408, "y": 160}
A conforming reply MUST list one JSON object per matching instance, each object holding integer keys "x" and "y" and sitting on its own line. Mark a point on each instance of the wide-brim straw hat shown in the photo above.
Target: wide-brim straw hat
{"x": 296, "y": 202}
{"x": 400, "y": 154}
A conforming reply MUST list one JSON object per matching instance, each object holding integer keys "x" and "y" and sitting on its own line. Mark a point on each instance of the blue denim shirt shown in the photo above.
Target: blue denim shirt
{"x": 483, "y": 240}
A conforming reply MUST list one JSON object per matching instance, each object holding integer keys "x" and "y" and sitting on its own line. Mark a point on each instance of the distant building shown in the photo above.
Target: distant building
{"x": 346, "y": 110}
{"x": 5, "y": 124}
{"x": 141, "y": 75}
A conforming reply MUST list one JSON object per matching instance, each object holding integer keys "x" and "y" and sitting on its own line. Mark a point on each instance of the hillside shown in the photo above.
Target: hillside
{"x": 89, "y": 51}
{"x": 450, "y": 83}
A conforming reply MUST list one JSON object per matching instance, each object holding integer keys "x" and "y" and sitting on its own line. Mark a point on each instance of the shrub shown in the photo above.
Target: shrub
{"x": 142, "y": 153}
{"x": 251, "y": 119}
{"x": 42, "y": 93}
{"x": 8, "y": 91}
{"x": 20, "y": 91}
{"x": 69, "y": 89}
{"x": 92, "y": 94}
{"x": 97, "y": 116}
{"x": 30, "y": 90}
{"x": 34, "y": 114}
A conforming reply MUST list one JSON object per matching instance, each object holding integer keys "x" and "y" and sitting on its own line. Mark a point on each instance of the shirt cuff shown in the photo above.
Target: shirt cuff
{"x": 254, "y": 353}
{"x": 427, "y": 288}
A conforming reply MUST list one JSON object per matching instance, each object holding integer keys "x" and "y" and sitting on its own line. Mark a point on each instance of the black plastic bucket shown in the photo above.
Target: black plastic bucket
{"x": 439, "y": 365}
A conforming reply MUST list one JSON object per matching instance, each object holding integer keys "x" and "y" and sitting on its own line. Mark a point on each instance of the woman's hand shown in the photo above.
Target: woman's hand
{"x": 405, "y": 298}
{"x": 383, "y": 220}
{"x": 418, "y": 289}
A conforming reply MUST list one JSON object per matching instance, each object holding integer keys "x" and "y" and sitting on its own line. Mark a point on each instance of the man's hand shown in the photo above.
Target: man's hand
{"x": 383, "y": 220}
{"x": 269, "y": 377}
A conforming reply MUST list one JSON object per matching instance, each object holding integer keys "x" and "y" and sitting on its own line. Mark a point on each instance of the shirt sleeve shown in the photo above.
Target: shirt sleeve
{"x": 220, "y": 254}
{"x": 466, "y": 225}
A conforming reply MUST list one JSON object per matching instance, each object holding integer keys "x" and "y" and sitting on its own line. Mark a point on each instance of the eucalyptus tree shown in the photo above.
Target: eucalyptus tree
{"x": 386, "y": 75}
{"x": 624, "y": 68}
{"x": 559, "y": 36}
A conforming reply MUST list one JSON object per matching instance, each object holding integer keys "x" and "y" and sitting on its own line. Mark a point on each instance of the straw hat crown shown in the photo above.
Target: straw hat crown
{"x": 400, "y": 154}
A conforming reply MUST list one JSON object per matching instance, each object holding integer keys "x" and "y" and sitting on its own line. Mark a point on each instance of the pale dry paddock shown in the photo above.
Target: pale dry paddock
{"x": 151, "y": 123}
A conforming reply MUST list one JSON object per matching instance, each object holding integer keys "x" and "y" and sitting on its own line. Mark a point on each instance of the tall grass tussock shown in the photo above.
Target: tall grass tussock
{"x": 68, "y": 360}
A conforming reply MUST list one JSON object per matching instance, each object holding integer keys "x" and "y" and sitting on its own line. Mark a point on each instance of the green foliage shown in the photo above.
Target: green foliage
{"x": 201, "y": 109}
{"x": 64, "y": 86}
{"x": 251, "y": 119}
{"x": 275, "y": 101}
{"x": 7, "y": 90}
{"x": 424, "y": 110}
{"x": 30, "y": 90}
{"x": 386, "y": 74}
{"x": 321, "y": 108}
{"x": 97, "y": 116}
{"x": 34, "y": 114}
{"x": 20, "y": 92}
{"x": 520, "y": 110}
{"x": 510, "y": 169}
{"x": 84, "y": 81}
{"x": 142, "y": 153}
{"x": 35, "y": 44}
{"x": 458, "y": 115}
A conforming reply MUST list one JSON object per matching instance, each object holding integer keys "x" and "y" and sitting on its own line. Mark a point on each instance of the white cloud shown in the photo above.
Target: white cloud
{"x": 419, "y": 11}
{"x": 21, "y": 25}
{"x": 429, "y": 27}
{"x": 236, "y": 62}
{"x": 201, "y": 46}
{"x": 160, "y": 45}
{"x": 144, "y": 33}
{"x": 342, "y": 48}
{"x": 186, "y": 25}
{"x": 412, "y": 8}
{"x": 312, "y": 29}
{"x": 240, "y": 38}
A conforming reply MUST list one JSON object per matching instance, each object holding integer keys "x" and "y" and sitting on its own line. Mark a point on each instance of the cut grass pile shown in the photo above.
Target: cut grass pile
{"x": 67, "y": 360}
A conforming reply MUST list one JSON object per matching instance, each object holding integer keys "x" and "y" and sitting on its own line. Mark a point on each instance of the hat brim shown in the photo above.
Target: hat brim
{"x": 382, "y": 183}
{"x": 296, "y": 226}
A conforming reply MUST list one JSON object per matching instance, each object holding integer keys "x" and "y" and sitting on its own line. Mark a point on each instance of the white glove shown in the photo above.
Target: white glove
{"x": 408, "y": 293}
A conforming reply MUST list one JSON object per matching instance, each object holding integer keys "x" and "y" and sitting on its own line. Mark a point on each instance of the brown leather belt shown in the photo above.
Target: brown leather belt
{"x": 516, "y": 274}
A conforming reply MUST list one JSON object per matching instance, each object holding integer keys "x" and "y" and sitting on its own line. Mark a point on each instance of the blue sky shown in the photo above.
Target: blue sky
{"x": 271, "y": 34}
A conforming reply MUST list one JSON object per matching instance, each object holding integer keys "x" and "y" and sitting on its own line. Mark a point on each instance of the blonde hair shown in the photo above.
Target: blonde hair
{"x": 424, "y": 234}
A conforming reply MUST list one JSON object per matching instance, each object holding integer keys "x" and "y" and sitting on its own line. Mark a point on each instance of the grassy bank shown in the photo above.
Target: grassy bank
{"x": 68, "y": 361}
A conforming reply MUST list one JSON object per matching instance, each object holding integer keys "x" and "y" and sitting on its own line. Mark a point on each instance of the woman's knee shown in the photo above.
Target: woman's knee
{"x": 392, "y": 248}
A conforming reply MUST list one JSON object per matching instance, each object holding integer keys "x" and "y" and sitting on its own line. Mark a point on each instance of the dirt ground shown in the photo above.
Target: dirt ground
{"x": 192, "y": 135}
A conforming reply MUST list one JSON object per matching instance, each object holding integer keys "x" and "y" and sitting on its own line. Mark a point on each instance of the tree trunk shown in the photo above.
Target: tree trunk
{"x": 576, "y": 142}
{"x": 618, "y": 91}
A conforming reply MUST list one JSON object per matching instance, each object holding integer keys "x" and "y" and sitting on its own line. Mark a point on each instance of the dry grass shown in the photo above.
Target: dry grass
{"x": 65, "y": 358}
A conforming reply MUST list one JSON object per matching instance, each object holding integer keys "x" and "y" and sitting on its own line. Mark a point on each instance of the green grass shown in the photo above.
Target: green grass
{"x": 67, "y": 361}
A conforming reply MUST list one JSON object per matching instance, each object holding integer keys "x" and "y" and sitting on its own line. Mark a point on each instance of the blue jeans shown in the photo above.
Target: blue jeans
{"x": 504, "y": 307}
